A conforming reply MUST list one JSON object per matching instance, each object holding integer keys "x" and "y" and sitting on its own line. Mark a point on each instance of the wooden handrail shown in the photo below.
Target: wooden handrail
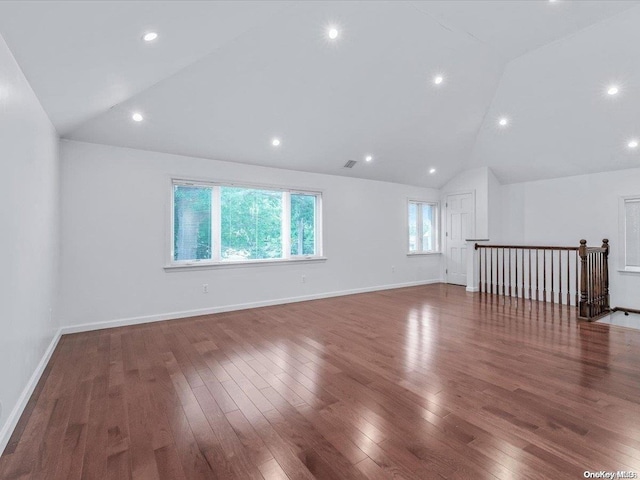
{"x": 625, "y": 310}
{"x": 527, "y": 247}
{"x": 555, "y": 275}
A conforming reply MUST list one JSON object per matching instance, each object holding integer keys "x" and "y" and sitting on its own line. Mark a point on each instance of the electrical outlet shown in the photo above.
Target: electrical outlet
{"x": 393, "y": 269}
{"x": 205, "y": 288}
{"x": 304, "y": 279}
{"x": 51, "y": 315}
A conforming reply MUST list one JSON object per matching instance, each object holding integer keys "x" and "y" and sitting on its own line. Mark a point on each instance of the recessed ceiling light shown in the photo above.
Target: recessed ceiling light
{"x": 503, "y": 122}
{"x": 613, "y": 90}
{"x": 333, "y": 33}
{"x": 432, "y": 171}
{"x": 438, "y": 79}
{"x": 368, "y": 158}
{"x": 137, "y": 117}
{"x": 275, "y": 142}
{"x": 150, "y": 36}
{"x": 633, "y": 144}
{"x": 552, "y": 1}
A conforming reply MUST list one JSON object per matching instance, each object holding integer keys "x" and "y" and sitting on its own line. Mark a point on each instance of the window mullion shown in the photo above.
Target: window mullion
{"x": 216, "y": 223}
{"x": 286, "y": 225}
{"x": 419, "y": 231}
{"x": 172, "y": 216}
{"x": 435, "y": 228}
{"x": 317, "y": 238}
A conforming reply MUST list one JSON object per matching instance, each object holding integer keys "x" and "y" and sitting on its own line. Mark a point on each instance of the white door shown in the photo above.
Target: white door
{"x": 460, "y": 217}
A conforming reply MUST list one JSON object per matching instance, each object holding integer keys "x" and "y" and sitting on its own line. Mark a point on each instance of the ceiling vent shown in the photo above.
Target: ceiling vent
{"x": 350, "y": 164}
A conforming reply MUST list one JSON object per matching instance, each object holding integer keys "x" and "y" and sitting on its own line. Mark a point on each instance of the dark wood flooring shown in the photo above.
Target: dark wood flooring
{"x": 416, "y": 383}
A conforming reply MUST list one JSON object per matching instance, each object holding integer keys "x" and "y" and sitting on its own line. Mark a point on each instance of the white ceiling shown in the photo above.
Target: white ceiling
{"x": 224, "y": 78}
{"x": 84, "y": 57}
{"x": 563, "y": 121}
{"x": 514, "y": 27}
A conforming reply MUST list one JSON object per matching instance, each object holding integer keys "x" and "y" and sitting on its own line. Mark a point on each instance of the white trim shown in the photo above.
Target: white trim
{"x": 628, "y": 270}
{"x": 622, "y": 230}
{"x": 179, "y": 179}
{"x": 244, "y": 263}
{"x": 419, "y": 224}
{"x": 13, "y": 418}
{"x": 87, "y": 327}
{"x": 216, "y": 222}
{"x": 473, "y": 289}
{"x": 169, "y": 247}
{"x": 421, "y": 254}
{"x": 445, "y": 226}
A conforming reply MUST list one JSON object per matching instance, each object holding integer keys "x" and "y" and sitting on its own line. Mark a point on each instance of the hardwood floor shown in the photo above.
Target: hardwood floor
{"x": 416, "y": 383}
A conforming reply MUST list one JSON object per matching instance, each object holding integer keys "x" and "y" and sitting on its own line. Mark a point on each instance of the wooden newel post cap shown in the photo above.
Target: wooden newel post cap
{"x": 605, "y": 240}
{"x": 583, "y": 242}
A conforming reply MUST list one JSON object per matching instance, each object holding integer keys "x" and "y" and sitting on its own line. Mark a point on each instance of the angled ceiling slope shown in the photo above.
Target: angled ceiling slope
{"x": 84, "y": 57}
{"x": 513, "y": 28}
{"x": 369, "y": 92}
{"x": 563, "y": 121}
{"x": 224, "y": 78}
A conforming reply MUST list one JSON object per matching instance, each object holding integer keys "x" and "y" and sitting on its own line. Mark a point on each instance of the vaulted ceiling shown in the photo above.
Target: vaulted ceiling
{"x": 224, "y": 78}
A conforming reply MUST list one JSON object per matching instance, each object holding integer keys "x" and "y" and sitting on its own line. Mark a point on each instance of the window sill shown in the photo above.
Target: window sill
{"x": 632, "y": 272}
{"x": 422, "y": 254}
{"x": 249, "y": 263}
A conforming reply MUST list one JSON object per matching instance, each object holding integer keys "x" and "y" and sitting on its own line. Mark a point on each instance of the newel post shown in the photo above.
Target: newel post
{"x": 605, "y": 273}
{"x": 583, "y": 310}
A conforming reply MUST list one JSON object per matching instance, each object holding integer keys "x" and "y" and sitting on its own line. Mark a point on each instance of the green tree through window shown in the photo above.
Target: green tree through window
{"x": 251, "y": 223}
{"x": 303, "y": 224}
{"x": 192, "y": 223}
{"x": 225, "y": 223}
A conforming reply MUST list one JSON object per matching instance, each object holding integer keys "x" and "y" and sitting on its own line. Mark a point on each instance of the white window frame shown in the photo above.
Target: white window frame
{"x": 622, "y": 222}
{"x": 216, "y": 236}
{"x": 436, "y": 236}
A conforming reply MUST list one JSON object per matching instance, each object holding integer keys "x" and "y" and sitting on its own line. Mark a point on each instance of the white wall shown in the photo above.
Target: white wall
{"x": 115, "y": 227}
{"x": 494, "y": 198}
{"x": 29, "y": 242}
{"x": 562, "y": 211}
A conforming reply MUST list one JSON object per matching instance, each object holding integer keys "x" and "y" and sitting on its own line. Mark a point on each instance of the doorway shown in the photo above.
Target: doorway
{"x": 460, "y": 219}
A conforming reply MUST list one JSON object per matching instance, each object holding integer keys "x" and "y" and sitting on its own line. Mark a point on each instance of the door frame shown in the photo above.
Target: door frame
{"x": 445, "y": 224}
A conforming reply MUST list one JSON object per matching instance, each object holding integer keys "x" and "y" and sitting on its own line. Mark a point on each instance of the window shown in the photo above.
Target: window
{"x": 630, "y": 217}
{"x": 423, "y": 227}
{"x": 303, "y": 224}
{"x": 216, "y": 224}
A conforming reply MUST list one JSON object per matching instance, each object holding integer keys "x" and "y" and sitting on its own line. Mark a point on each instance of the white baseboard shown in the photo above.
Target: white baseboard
{"x": 14, "y": 416}
{"x": 473, "y": 289}
{"x": 87, "y": 327}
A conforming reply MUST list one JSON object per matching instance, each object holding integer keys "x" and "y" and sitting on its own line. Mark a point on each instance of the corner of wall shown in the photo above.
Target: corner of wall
{"x": 31, "y": 157}
{"x": 494, "y": 208}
